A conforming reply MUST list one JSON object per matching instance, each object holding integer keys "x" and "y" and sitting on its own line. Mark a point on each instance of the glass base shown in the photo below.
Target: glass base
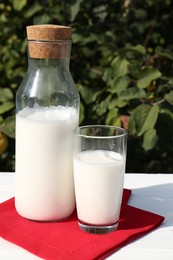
{"x": 98, "y": 229}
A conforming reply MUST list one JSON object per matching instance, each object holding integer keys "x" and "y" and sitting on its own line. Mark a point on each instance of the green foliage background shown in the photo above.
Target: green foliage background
{"x": 121, "y": 61}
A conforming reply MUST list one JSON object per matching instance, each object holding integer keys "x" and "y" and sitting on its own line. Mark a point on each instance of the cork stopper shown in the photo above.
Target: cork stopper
{"x": 48, "y": 41}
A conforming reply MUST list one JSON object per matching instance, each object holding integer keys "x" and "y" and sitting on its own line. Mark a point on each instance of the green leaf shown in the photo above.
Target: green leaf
{"x": 150, "y": 139}
{"x": 86, "y": 93}
{"x": 169, "y": 97}
{"x": 147, "y": 76}
{"x": 170, "y": 81}
{"x": 116, "y": 121}
{"x": 5, "y": 94}
{"x": 76, "y": 37}
{"x": 165, "y": 55}
{"x": 97, "y": 93}
{"x": 82, "y": 113}
{"x": 18, "y": 4}
{"x": 135, "y": 70}
{"x": 8, "y": 126}
{"x": 132, "y": 126}
{"x": 103, "y": 106}
{"x": 33, "y": 9}
{"x": 119, "y": 84}
{"x": 100, "y": 11}
{"x": 119, "y": 66}
{"x": 143, "y": 118}
{"x": 112, "y": 115}
{"x": 1, "y": 119}
{"x": 141, "y": 13}
{"x": 138, "y": 118}
{"x": 132, "y": 93}
{"x": 74, "y": 9}
{"x": 117, "y": 103}
{"x": 150, "y": 120}
{"x": 6, "y": 107}
{"x": 113, "y": 118}
{"x": 138, "y": 48}
{"x": 166, "y": 112}
{"x": 107, "y": 76}
{"x": 41, "y": 19}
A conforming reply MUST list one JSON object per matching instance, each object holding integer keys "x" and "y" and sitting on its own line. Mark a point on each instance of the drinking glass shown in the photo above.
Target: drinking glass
{"x": 99, "y": 160}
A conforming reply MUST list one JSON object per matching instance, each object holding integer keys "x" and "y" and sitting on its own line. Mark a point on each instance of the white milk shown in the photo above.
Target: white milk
{"x": 98, "y": 177}
{"x": 44, "y": 179}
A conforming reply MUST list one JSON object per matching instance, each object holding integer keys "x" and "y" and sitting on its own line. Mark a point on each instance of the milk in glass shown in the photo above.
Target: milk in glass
{"x": 98, "y": 177}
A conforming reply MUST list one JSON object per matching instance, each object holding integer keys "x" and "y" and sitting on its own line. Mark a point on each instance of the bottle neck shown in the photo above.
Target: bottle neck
{"x": 54, "y": 63}
{"x": 49, "y": 53}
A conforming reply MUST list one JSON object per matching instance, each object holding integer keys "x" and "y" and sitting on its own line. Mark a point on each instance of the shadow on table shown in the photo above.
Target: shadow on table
{"x": 157, "y": 199}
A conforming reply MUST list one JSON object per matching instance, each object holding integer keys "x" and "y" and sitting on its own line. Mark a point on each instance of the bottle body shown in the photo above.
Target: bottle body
{"x": 47, "y": 105}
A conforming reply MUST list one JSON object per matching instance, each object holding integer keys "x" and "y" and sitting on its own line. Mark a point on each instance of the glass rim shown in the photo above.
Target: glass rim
{"x": 123, "y": 133}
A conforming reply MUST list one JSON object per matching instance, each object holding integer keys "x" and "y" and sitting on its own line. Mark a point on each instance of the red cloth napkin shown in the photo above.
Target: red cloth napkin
{"x": 64, "y": 240}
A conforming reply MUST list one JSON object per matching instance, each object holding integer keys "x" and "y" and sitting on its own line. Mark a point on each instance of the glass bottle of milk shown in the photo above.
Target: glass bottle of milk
{"x": 47, "y": 105}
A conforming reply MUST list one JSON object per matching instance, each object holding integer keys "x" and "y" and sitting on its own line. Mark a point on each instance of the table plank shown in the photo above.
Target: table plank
{"x": 152, "y": 192}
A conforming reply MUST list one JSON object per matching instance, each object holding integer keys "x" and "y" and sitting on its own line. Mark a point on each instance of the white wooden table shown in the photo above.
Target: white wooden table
{"x": 152, "y": 192}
